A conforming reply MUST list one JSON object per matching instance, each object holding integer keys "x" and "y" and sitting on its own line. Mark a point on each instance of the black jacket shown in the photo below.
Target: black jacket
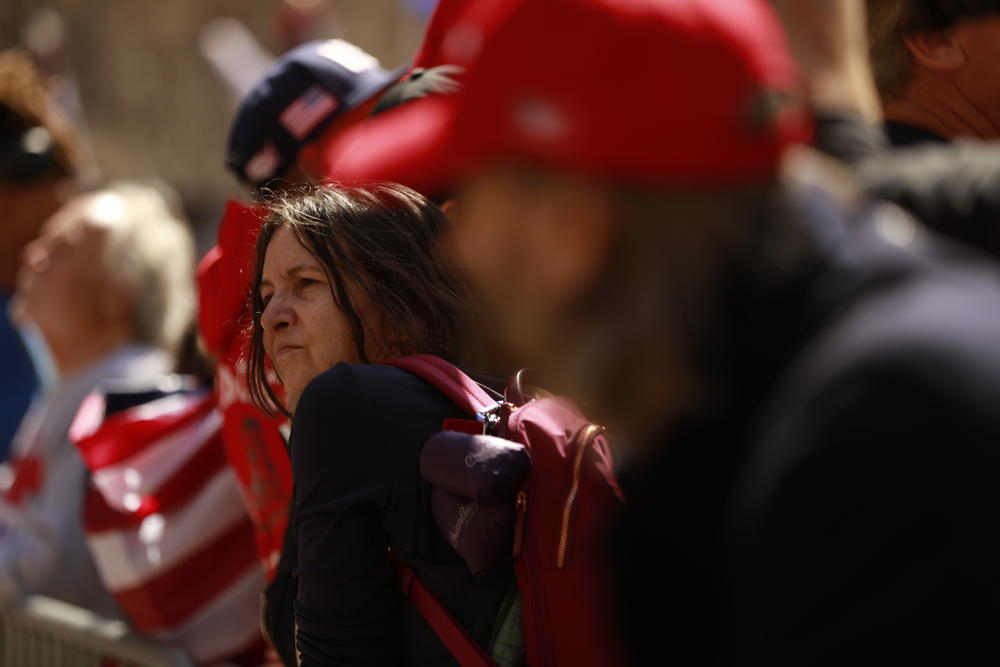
{"x": 355, "y": 442}
{"x": 953, "y": 188}
{"x": 835, "y": 501}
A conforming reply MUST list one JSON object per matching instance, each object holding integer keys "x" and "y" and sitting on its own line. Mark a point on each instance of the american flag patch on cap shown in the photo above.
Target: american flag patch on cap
{"x": 305, "y": 113}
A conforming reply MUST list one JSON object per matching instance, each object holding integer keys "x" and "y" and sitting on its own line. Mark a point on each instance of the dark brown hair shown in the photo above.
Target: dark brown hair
{"x": 942, "y": 14}
{"x": 376, "y": 240}
{"x": 25, "y": 104}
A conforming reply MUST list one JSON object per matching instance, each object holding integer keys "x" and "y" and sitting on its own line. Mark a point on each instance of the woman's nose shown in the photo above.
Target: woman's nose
{"x": 277, "y": 314}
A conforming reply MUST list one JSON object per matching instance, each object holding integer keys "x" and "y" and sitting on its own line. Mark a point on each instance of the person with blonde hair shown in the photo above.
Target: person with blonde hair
{"x": 108, "y": 284}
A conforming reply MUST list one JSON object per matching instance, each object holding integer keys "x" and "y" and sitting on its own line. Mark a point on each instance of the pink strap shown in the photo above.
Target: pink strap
{"x": 459, "y": 642}
{"x": 447, "y": 379}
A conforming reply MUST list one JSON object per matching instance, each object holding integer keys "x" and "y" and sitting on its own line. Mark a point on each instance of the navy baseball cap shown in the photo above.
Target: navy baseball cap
{"x": 299, "y": 96}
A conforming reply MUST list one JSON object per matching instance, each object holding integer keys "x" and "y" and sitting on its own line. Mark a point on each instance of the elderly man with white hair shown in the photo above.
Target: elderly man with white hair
{"x": 108, "y": 284}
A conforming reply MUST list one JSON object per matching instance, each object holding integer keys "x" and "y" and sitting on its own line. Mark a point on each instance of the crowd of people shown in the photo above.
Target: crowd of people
{"x": 755, "y": 241}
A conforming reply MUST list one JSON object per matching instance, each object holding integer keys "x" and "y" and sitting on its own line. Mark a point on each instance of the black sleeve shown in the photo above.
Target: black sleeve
{"x": 346, "y": 609}
{"x": 279, "y": 599}
{"x": 847, "y": 137}
{"x": 953, "y": 188}
{"x": 865, "y": 530}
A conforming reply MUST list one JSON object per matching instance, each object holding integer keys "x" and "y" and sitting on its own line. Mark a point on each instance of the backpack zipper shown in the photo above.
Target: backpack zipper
{"x": 521, "y": 508}
{"x": 586, "y": 438}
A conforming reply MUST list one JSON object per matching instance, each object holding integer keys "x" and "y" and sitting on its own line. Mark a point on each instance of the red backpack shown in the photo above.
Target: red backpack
{"x": 564, "y": 507}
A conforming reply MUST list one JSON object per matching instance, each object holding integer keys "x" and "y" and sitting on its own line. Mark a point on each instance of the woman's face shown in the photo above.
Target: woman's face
{"x": 305, "y": 331}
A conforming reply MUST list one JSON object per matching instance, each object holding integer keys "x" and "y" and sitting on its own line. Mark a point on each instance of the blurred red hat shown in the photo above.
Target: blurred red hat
{"x": 225, "y": 275}
{"x": 432, "y": 49}
{"x": 432, "y": 73}
{"x": 657, "y": 92}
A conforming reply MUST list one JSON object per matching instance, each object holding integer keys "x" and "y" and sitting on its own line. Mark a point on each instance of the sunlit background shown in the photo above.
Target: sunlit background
{"x": 153, "y": 85}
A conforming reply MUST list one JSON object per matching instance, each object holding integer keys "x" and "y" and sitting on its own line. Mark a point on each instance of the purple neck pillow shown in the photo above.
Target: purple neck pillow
{"x": 475, "y": 479}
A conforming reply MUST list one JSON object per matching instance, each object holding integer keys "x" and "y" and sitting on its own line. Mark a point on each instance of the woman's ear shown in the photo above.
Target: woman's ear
{"x": 935, "y": 50}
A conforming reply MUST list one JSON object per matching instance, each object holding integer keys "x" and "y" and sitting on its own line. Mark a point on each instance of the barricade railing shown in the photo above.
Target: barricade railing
{"x": 43, "y": 632}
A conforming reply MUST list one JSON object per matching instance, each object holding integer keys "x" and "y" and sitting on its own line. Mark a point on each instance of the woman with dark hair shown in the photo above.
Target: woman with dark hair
{"x": 346, "y": 277}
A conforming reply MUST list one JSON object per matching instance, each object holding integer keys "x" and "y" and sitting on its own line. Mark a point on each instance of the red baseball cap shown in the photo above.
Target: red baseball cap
{"x": 433, "y": 50}
{"x": 655, "y": 92}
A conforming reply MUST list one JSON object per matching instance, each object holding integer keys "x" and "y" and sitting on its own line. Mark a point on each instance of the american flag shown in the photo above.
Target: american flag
{"x": 305, "y": 113}
{"x": 168, "y": 527}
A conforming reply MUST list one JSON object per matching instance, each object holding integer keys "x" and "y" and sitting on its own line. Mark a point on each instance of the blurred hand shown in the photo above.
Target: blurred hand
{"x": 829, "y": 40}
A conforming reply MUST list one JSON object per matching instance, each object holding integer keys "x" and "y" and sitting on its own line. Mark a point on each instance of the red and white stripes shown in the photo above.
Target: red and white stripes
{"x": 168, "y": 527}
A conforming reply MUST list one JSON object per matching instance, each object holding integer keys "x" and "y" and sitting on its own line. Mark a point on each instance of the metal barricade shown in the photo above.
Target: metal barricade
{"x": 44, "y": 632}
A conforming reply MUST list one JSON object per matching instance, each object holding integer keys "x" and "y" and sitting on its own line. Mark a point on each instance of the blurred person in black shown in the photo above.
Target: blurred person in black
{"x": 38, "y": 162}
{"x": 804, "y": 385}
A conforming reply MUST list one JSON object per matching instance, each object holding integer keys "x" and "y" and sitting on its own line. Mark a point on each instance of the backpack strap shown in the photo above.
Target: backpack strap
{"x": 456, "y": 639}
{"x": 468, "y": 395}
{"x": 449, "y": 380}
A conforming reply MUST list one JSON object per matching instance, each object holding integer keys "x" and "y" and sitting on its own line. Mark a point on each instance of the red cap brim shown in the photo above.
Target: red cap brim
{"x": 411, "y": 145}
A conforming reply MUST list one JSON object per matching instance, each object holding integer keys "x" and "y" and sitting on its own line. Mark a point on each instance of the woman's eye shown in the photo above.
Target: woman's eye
{"x": 265, "y": 299}
{"x": 307, "y": 282}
